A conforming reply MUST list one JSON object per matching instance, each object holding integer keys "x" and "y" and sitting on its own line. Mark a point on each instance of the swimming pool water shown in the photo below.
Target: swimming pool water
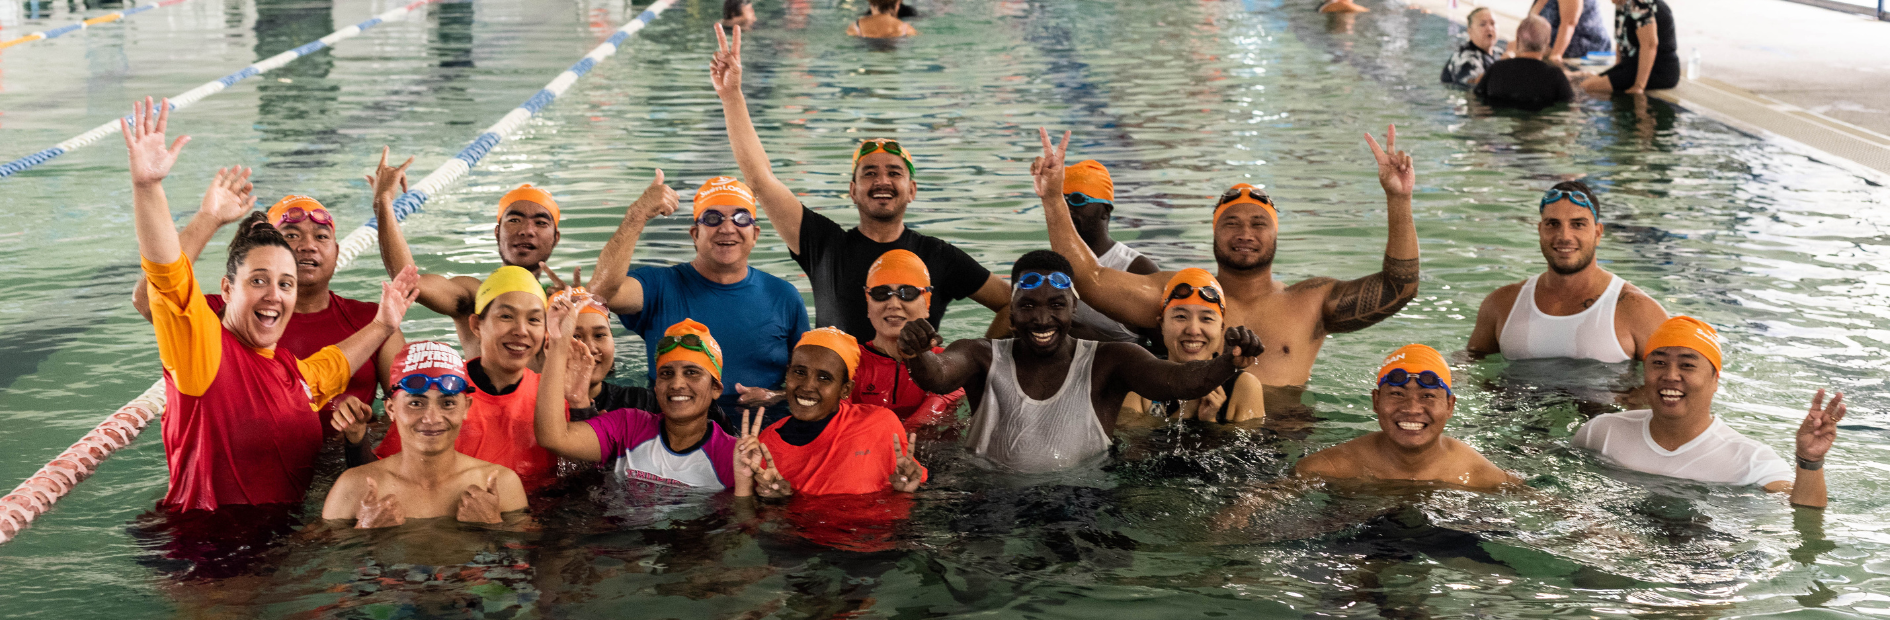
{"x": 1181, "y": 99}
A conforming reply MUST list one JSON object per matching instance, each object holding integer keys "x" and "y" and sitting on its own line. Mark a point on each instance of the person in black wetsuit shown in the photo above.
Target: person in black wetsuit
{"x": 1526, "y": 81}
{"x": 1648, "y": 55}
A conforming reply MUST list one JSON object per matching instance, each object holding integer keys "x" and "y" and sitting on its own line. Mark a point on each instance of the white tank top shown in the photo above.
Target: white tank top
{"x": 1117, "y": 258}
{"x": 1589, "y": 334}
{"x": 1023, "y": 434}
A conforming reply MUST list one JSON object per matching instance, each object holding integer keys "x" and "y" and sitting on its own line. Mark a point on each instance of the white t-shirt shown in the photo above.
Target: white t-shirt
{"x": 1720, "y": 455}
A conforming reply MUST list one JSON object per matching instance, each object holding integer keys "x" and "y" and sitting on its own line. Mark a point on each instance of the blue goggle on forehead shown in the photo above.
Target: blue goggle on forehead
{"x": 1557, "y": 195}
{"x": 1057, "y": 279}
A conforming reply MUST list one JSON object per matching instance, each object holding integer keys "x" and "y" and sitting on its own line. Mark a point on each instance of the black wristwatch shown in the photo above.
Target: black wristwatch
{"x": 1809, "y": 465}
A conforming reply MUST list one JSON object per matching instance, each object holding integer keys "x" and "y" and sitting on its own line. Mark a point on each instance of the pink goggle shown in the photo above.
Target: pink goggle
{"x": 297, "y": 214}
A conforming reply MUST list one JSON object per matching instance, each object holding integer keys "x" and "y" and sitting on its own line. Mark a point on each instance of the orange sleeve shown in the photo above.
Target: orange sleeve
{"x": 327, "y": 374}
{"x": 189, "y": 334}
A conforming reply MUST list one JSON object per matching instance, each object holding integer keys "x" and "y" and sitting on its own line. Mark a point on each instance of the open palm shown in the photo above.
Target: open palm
{"x": 151, "y": 160}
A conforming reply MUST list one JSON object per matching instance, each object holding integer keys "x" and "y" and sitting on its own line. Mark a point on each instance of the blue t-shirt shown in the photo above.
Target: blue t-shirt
{"x": 757, "y": 320}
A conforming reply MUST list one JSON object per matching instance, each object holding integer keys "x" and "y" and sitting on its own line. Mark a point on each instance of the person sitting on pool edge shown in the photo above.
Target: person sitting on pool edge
{"x": 882, "y": 22}
{"x": 1293, "y": 319}
{"x": 1576, "y": 309}
{"x": 1191, "y": 326}
{"x": 673, "y": 444}
{"x": 1648, "y": 55}
{"x": 229, "y": 396}
{"x": 1679, "y": 437}
{"x": 828, "y": 446}
{"x": 835, "y": 259}
{"x": 428, "y": 404}
{"x": 1091, "y": 195}
{"x": 509, "y": 321}
{"x": 717, "y": 287}
{"x": 321, "y": 317}
{"x": 1413, "y": 401}
{"x": 1049, "y": 400}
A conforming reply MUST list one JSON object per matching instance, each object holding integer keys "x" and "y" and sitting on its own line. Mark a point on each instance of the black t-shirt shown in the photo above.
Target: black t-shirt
{"x": 614, "y": 397}
{"x": 836, "y": 261}
{"x": 1524, "y": 83}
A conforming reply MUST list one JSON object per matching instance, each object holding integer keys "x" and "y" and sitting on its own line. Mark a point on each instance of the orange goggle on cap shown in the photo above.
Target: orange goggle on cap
{"x": 837, "y": 341}
{"x": 1416, "y": 359}
{"x": 1242, "y": 193}
{"x": 1689, "y": 332}
{"x": 1089, "y": 178}
{"x": 533, "y": 194}
{"x": 725, "y": 192}
{"x": 690, "y": 341}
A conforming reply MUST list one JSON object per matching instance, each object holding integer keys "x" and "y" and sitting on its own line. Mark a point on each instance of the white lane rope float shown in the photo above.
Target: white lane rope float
{"x": 40, "y": 491}
{"x": 102, "y": 19}
{"x": 184, "y": 99}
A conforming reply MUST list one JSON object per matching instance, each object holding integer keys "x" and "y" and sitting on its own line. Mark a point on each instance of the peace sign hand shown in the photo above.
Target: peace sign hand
{"x": 1046, "y": 171}
{"x": 1819, "y": 429}
{"x": 144, "y": 140}
{"x": 907, "y": 474}
{"x": 725, "y": 69}
{"x": 1395, "y": 172}
{"x": 481, "y": 504}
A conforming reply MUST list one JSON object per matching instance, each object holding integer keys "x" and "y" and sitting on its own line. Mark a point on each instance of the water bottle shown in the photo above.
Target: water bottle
{"x": 1693, "y": 65}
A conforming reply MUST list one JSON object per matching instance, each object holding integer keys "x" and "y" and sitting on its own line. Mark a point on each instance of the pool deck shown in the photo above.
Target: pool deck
{"x": 1808, "y": 77}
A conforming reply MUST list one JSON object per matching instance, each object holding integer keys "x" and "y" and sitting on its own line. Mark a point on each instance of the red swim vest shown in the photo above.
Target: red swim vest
{"x": 887, "y": 382}
{"x": 251, "y": 438}
{"x": 499, "y": 429}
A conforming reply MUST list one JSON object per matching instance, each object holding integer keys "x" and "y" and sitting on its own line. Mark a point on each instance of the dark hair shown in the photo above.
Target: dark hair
{"x": 733, "y": 8}
{"x": 254, "y": 232}
{"x": 1578, "y": 186}
{"x": 1471, "y": 19}
{"x": 882, "y": 5}
{"x": 1040, "y": 260}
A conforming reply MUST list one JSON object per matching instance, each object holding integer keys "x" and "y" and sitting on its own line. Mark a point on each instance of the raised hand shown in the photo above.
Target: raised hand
{"x": 231, "y": 196}
{"x": 1819, "y": 429}
{"x": 577, "y": 379}
{"x": 351, "y": 418}
{"x": 1046, "y": 172}
{"x": 757, "y": 397}
{"x": 1206, "y": 406}
{"x": 658, "y": 200}
{"x": 397, "y": 296}
{"x": 561, "y": 310}
{"x": 917, "y": 337}
{"x": 386, "y": 178}
{"x": 725, "y": 69}
{"x": 907, "y": 475}
{"x": 144, "y": 139}
{"x": 481, "y": 504}
{"x": 377, "y": 510}
{"x": 1244, "y": 345}
{"x": 1395, "y": 172}
{"x": 769, "y": 482}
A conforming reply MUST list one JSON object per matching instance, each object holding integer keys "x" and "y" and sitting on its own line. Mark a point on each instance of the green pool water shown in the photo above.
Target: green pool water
{"x": 1181, "y": 99}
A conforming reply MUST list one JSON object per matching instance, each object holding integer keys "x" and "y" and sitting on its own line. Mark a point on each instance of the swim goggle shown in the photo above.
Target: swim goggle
{"x": 1207, "y": 293}
{"x": 1080, "y": 199}
{"x": 712, "y": 219}
{"x": 418, "y": 384}
{"x": 888, "y": 145}
{"x": 905, "y": 292}
{"x": 1057, "y": 279}
{"x": 687, "y": 341}
{"x": 297, "y": 214}
{"x": 1253, "y": 193}
{"x": 1557, "y": 195}
{"x": 1398, "y": 377}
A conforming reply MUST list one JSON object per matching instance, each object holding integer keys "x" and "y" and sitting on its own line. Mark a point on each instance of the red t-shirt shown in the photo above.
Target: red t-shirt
{"x": 308, "y": 332}
{"x": 853, "y": 455}
{"x": 498, "y": 429}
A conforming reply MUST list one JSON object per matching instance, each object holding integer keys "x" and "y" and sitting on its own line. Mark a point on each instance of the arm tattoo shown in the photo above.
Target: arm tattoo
{"x": 1358, "y": 304}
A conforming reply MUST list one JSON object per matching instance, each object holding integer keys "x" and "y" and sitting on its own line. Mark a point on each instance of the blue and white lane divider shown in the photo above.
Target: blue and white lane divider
{"x": 194, "y": 95}
{"x": 102, "y": 19}
{"x": 407, "y": 204}
{"x": 37, "y": 494}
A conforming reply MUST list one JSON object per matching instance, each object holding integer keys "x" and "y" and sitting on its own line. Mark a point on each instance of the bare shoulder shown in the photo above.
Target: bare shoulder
{"x": 1337, "y": 462}
{"x": 1639, "y": 307}
{"x": 1482, "y": 473}
{"x": 1504, "y": 297}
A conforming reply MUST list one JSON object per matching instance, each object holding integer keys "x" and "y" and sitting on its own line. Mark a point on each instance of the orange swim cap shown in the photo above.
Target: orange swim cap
{"x": 1414, "y": 359}
{"x": 1245, "y": 197}
{"x": 292, "y": 201}
{"x": 527, "y": 192}
{"x": 897, "y": 267}
{"x": 589, "y": 307}
{"x": 1197, "y": 279}
{"x": 709, "y": 356}
{"x": 1689, "y": 332}
{"x": 725, "y": 192}
{"x": 1090, "y": 178}
{"x": 837, "y": 341}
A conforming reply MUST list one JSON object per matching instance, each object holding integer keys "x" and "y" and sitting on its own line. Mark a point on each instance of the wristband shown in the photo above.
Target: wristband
{"x": 1808, "y": 465}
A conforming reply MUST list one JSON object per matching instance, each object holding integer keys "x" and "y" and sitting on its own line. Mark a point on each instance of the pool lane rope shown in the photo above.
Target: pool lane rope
{"x": 37, "y": 494}
{"x": 184, "y": 99}
{"x": 102, "y": 19}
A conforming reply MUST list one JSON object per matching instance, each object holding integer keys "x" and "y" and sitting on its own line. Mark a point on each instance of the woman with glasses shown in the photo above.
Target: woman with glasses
{"x": 1413, "y": 401}
{"x": 898, "y": 289}
{"x": 431, "y": 478}
{"x": 1191, "y": 322}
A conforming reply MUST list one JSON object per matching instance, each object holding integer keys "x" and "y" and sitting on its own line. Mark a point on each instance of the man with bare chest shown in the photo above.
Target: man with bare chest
{"x": 1047, "y": 401}
{"x": 1292, "y": 321}
{"x": 1576, "y": 309}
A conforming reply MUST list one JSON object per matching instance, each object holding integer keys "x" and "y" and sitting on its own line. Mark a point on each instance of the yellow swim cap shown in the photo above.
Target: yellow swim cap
{"x": 507, "y": 279}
